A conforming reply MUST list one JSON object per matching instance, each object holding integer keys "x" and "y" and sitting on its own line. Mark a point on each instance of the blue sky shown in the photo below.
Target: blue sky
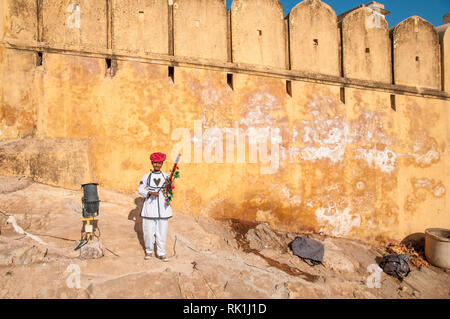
{"x": 431, "y": 10}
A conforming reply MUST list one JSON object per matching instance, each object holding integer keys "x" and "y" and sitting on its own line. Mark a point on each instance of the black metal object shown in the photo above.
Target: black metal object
{"x": 90, "y": 200}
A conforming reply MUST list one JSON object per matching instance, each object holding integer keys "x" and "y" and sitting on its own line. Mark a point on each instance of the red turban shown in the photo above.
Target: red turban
{"x": 158, "y": 157}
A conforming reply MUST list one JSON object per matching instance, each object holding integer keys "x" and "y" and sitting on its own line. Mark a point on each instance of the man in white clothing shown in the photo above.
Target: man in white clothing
{"x": 155, "y": 212}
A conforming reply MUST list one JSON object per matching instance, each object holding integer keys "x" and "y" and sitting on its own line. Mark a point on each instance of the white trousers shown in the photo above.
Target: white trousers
{"x": 155, "y": 227}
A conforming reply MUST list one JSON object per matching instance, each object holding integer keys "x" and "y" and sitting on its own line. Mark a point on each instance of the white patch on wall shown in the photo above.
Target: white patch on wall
{"x": 370, "y": 224}
{"x": 283, "y": 155}
{"x": 423, "y": 183}
{"x": 328, "y": 138}
{"x": 211, "y": 97}
{"x": 259, "y": 108}
{"x": 437, "y": 190}
{"x": 309, "y": 133}
{"x": 285, "y": 193}
{"x": 74, "y": 19}
{"x": 294, "y": 134}
{"x": 294, "y": 152}
{"x": 376, "y": 17}
{"x": 295, "y": 200}
{"x": 425, "y": 159}
{"x": 340, "y": 221}
{"x": 369, "y": 130}
{"x": 329, "y": 146}
{"x": 334, "y": 154}
{"x": 384, "y": 160}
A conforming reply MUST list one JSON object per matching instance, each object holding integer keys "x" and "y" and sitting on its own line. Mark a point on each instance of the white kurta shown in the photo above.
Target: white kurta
{"x": 154, "y": 207}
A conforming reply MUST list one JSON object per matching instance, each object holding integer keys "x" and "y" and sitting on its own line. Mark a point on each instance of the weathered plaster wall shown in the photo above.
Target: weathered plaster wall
{"x": 423, "y": 176}
{"x": 74, "y": 24}
{"x": 314, "y": 38}
{"x": 416, "y": 54}
{"x": 200, "y": 29}
{"x": 17, "y": 93}
{"x": 50, "y": 161}
{"x": 2, "y": 20}
{"x": 140, "y": 26}
{"x": 20, "y": 21}
{"x": 362, "y": 166}
{"x": 360, "y": 171}
{"x": 366, "y": 46}
{"x": 258, "y": 32}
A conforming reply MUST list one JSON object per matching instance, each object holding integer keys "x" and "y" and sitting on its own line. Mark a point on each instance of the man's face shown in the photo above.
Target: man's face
{"x": 157, "y": 165}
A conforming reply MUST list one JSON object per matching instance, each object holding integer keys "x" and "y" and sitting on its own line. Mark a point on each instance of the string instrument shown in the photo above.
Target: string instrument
{"x": 169, "y": 187}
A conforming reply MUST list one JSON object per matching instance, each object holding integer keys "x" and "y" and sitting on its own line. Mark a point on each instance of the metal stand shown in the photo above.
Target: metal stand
{"x": 89, "y": 228}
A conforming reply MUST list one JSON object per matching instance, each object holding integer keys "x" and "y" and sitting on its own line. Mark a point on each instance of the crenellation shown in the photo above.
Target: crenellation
{"x": 356, "y": 44}
{"x": 200, "y": 29}
{"x": 366, "y": 46}
{"x": 313, "y": 38}
{"x": 258, "y": 32}
{"x": 416, "y": 54}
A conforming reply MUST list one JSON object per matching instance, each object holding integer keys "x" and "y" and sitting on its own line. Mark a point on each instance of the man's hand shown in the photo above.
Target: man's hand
{"x": 153, "y": 194}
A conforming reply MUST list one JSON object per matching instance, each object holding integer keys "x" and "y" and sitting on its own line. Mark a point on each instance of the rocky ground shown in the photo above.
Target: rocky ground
{"x": 210, "y": 258}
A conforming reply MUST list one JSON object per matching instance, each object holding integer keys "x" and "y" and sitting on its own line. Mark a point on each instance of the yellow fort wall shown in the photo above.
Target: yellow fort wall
{"x": 358, "y": 156}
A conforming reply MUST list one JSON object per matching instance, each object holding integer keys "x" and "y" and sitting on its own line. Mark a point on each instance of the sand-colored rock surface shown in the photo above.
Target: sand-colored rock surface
{"x": 210, "y": 258}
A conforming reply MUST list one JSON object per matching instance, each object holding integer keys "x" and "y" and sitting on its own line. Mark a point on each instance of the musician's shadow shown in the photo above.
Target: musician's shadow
{"x": 135, "y": 215}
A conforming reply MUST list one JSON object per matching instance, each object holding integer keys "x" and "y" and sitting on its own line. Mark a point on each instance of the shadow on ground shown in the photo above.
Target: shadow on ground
{"x": 135, "y": 215}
